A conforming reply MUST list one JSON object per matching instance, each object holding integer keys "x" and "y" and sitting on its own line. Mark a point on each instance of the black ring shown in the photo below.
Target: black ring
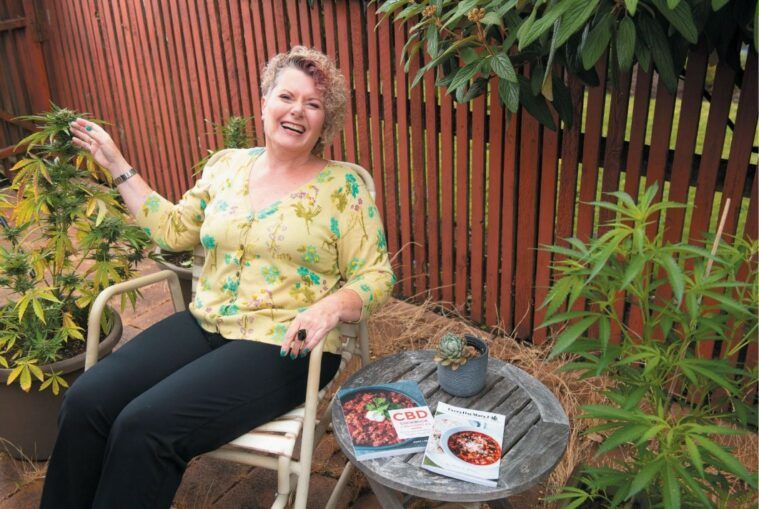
{"x": 301, "y": 335}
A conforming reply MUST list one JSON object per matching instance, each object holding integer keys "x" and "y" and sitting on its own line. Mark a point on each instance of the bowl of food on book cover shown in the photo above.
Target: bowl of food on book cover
{"x": 367, "y": 416}
{"x": 470, "y": 446}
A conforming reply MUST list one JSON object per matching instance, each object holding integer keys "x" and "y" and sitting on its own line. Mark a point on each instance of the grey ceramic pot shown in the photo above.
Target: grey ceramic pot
{"x": 468, "y": 379}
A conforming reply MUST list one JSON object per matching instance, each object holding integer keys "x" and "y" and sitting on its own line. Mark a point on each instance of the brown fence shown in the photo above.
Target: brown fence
{"x": 23, "y": 81}
{"x": 466, "y": 199}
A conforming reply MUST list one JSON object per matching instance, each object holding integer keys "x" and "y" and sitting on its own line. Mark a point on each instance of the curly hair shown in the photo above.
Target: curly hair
{"x": 329, "y": 81}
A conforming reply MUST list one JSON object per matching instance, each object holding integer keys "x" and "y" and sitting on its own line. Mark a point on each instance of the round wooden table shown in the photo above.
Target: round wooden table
{"x": 535, "y": 437}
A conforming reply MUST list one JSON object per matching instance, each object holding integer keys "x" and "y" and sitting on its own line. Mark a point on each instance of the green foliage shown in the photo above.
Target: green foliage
{"x": 452, "y": 351}
{"x": 668, "y": 402}
{"x": 470, "y": 41}
{"x": 64, "y": 238}
{"x": 233, "y": 134}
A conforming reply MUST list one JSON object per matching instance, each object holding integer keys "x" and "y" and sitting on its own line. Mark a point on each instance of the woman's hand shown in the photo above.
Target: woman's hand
{"x": 93, "y": 138}
{"x": 319, "y": 319}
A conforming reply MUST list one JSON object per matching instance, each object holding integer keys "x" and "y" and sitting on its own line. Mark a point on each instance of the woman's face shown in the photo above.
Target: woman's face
{"x": 293, "y": 112}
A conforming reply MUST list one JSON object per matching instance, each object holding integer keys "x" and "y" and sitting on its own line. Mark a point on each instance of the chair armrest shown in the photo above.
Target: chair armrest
{"x": 96, "y": 311}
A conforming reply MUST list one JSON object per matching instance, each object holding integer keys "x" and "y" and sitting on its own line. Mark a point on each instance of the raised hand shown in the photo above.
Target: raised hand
{"x": 93, "y": 138}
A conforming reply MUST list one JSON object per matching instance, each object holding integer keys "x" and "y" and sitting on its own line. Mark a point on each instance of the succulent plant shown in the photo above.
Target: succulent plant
{"x": 452, "y": 351}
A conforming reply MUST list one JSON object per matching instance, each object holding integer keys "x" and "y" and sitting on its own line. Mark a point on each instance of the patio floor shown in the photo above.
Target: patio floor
{"x": 210, "y": 483}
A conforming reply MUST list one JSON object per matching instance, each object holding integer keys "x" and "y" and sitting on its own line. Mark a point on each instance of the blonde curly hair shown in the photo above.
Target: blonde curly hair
{"x": 329, "y": 81}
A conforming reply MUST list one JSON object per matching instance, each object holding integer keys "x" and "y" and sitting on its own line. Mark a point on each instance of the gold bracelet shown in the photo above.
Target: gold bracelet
{"x": 124, "y": 177}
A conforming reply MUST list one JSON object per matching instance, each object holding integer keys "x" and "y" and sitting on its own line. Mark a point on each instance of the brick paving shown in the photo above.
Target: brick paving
{"x": 207, "y": 482}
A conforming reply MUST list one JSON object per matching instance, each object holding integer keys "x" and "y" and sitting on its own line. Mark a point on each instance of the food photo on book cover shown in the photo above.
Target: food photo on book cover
{"x": 387, "y": 419}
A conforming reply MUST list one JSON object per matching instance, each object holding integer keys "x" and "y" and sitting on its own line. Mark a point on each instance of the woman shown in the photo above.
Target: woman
{"x": 282, "y": 228}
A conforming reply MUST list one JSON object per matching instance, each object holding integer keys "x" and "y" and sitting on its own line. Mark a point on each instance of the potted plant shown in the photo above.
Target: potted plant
{"x": 234, "y": 134}
{"x": 672, "y": 403}
{"x": 63, "y": 238}
{"x": 462, "y": 364}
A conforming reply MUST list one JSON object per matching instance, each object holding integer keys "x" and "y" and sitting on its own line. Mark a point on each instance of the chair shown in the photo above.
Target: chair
{"x": 270, "y": 445}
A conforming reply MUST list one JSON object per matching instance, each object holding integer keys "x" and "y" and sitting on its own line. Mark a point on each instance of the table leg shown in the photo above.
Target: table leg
{"x": 387, "y": 498}
{"x": 340, "y": 486}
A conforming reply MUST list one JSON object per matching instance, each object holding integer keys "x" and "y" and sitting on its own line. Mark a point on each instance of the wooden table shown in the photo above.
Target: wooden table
{"x": 535, "y": 437}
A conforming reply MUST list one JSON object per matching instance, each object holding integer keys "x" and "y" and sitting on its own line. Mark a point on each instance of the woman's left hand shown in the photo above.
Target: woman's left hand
{"x": 317, "y": 321}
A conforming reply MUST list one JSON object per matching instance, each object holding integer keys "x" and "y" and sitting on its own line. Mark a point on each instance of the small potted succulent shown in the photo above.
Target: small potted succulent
{"x": 462, "y": 364}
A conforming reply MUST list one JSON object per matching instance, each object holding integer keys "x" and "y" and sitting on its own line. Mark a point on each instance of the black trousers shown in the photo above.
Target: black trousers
{"x": 129, "y": 425}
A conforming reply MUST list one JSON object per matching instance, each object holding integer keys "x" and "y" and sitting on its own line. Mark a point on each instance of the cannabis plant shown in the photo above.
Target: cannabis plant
{"x": 233, "y": 134}
{"x": 670, "y": 397}
{"x": 63, "y": 238}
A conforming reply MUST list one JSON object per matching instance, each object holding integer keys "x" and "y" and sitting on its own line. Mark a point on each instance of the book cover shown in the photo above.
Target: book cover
{"x": 465, "y": 444}
{"x": 387, "y": 419}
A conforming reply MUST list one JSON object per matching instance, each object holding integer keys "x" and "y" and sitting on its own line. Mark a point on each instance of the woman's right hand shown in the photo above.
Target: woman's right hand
{"x": 93, "y": 138}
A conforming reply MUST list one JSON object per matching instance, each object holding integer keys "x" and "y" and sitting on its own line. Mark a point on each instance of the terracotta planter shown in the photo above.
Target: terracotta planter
{"x": 29, "y": 421}
{"x": 185, "y": 278}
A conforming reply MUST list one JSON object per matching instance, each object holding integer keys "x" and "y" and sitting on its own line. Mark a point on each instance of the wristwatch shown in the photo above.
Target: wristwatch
{"x": 131, "y": 172}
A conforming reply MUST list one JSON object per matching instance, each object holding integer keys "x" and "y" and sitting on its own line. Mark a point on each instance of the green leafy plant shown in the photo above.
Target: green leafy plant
{"x": 668, "y": 402}
{"x": 452, "y": 350}
{"x": 233, "y": 134}
{"x": 471, "y": 41}
{"x": 64, "y": 237}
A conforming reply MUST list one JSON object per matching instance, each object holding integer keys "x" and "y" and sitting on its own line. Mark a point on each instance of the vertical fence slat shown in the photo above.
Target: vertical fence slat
{"x": 477, "y": 201}
{"x": 101, "y": 80}
{"x": 433, "y": 182}
{"x": 591, "y": 151}
{"x": 637, "y": 132}
{"x": 714, "y": 140}
{"x": 685, "y": 144}
{"x": 344, "y": 55}
{"x": 404, "y": 174}
{"x": 374, "y": 108}
{"x": 461, "y": 194}
{"x": 508, "y": 220}
{"x": 546, "y": 213}
{"x": 279, "y": 26}
{"x": 335, "y": 150}
{"x": 392, "y": 220}
{"x": 657, "y": 154}
{"x": 251, "y": 76}
{"x": 360, "y": 121}
{"x": 292, "y": 23}
{"x": 315, "y": 15}
{"x": 495, "y": 131}
{"x": 615, "y": 140}
{"x": 419, "y": 184}
{"x": 304, "y": 22}
{"x": 741, "y": 145}
{"x": 570, "y": 155}
{"x": 447, "y": 203}
{"x": 527, "y": 202}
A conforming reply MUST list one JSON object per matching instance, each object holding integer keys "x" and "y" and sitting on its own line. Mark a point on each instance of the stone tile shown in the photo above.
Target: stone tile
{"x": 207, "y": 480}
{"x": 366, "y": 501}
{"x": 256, "y": 491}
{"x": 28, "y": 497}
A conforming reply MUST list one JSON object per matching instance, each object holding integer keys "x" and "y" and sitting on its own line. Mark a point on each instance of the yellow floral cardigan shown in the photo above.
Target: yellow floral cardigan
{"x": 264, "y": 266}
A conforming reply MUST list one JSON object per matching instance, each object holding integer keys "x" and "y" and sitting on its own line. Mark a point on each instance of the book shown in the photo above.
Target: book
{"x": 386, "y": 419}
{"x": 465, "y": 444}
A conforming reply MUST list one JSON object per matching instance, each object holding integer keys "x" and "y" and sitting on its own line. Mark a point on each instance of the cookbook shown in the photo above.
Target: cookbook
{"x": 465, "y": 444}
{"x": 387, "y": 419}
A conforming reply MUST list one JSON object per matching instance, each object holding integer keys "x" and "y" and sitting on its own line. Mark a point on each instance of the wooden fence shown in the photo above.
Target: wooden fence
{"x": 467, "y": 200}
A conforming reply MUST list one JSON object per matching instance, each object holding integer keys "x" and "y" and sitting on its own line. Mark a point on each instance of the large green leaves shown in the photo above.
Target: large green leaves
{"x": 656, "y": 40}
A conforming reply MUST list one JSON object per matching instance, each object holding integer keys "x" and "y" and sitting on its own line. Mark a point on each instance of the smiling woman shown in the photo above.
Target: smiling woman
{"x": 293, "y": 245}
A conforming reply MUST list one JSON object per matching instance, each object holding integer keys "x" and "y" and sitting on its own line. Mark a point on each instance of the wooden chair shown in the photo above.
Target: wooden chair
{"x": 270, "y": 445}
